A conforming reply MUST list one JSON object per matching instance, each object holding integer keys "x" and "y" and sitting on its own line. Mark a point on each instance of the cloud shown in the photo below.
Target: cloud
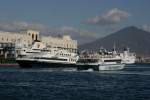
{"x": 146, "y": 27}
{"x": 19, "y": 25}
{"x": 81, "y": 32}
{"x": 82, "y": 35}
{"x": 111, "y": 17}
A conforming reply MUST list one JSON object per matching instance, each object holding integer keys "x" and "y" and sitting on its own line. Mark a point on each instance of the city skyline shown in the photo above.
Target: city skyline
{"x": 82, "y": 19}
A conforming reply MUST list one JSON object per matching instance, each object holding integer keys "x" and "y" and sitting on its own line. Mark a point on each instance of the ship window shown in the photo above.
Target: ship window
{"x": 54, "y": 59}
{"x": 117, "y": 60}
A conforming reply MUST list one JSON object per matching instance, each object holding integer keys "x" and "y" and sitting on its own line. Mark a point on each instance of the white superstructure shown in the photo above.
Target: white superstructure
{"x": 128, "y": 57}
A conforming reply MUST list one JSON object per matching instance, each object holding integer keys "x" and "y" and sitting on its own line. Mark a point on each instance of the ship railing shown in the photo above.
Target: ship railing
{"x": 96, "y": 56}
{"x": 29, "y": 56}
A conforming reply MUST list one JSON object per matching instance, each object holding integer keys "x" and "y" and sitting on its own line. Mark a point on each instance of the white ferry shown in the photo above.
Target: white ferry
{"x": 104, "y": 60}
{"x": 98, "y": 62}
{"x": 50, "y": 57}
{"x": 128, "y": 57}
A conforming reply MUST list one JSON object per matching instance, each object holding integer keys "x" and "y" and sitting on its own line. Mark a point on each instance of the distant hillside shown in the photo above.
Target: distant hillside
{"x": 136, "y": 39}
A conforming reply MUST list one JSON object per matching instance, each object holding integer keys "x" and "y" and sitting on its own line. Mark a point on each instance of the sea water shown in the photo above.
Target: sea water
{"x": 132, "y": 83}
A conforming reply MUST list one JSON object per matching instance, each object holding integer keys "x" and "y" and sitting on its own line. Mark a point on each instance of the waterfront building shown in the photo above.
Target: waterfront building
{"x": 64, "y": 42}
{"x": 25, "y": 38}
{"x": 16, "y": 40}
{"x": 7, "y": 50}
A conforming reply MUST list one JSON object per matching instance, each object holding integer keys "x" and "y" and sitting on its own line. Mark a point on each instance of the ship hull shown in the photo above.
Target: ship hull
{"x": 87, "y": 67}
{"x": 94, "y": 67}
{"x": 37, "y": 64}
{"x": 101, "y": 67}
{"x": 111, "y": 67}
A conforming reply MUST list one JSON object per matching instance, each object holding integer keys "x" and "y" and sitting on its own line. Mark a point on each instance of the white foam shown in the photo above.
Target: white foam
{"x": 126, "y": 72}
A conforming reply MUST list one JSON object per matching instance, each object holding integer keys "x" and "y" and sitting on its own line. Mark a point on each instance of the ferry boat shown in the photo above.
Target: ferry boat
{"x": 105, "y": 60}
{"x": 39, "y": 55}
{"x": 42, "y": 56}
{"x": 128, "y": 57}
{"x": 100, "y": 61}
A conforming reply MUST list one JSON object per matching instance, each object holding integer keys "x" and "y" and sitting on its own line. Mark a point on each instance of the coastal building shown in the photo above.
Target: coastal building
{"x": 7, "y": 50}
{"x": 64, "y": 42}
{"x": 12, "y": 42}
{"x": 25, "y": 38}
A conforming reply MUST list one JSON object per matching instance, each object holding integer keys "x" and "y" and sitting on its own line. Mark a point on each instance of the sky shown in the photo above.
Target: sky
{"x": 84, "y": 20}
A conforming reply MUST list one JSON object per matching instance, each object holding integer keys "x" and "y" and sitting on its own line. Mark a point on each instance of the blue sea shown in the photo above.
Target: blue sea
{"x": 132, "y": 83}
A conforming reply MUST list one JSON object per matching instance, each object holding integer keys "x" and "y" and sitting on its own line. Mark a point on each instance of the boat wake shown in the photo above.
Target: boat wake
{"x": 126, "y": 72}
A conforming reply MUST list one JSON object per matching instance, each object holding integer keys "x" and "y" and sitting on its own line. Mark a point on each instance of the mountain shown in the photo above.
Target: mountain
{"x": 136, "y": 39}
